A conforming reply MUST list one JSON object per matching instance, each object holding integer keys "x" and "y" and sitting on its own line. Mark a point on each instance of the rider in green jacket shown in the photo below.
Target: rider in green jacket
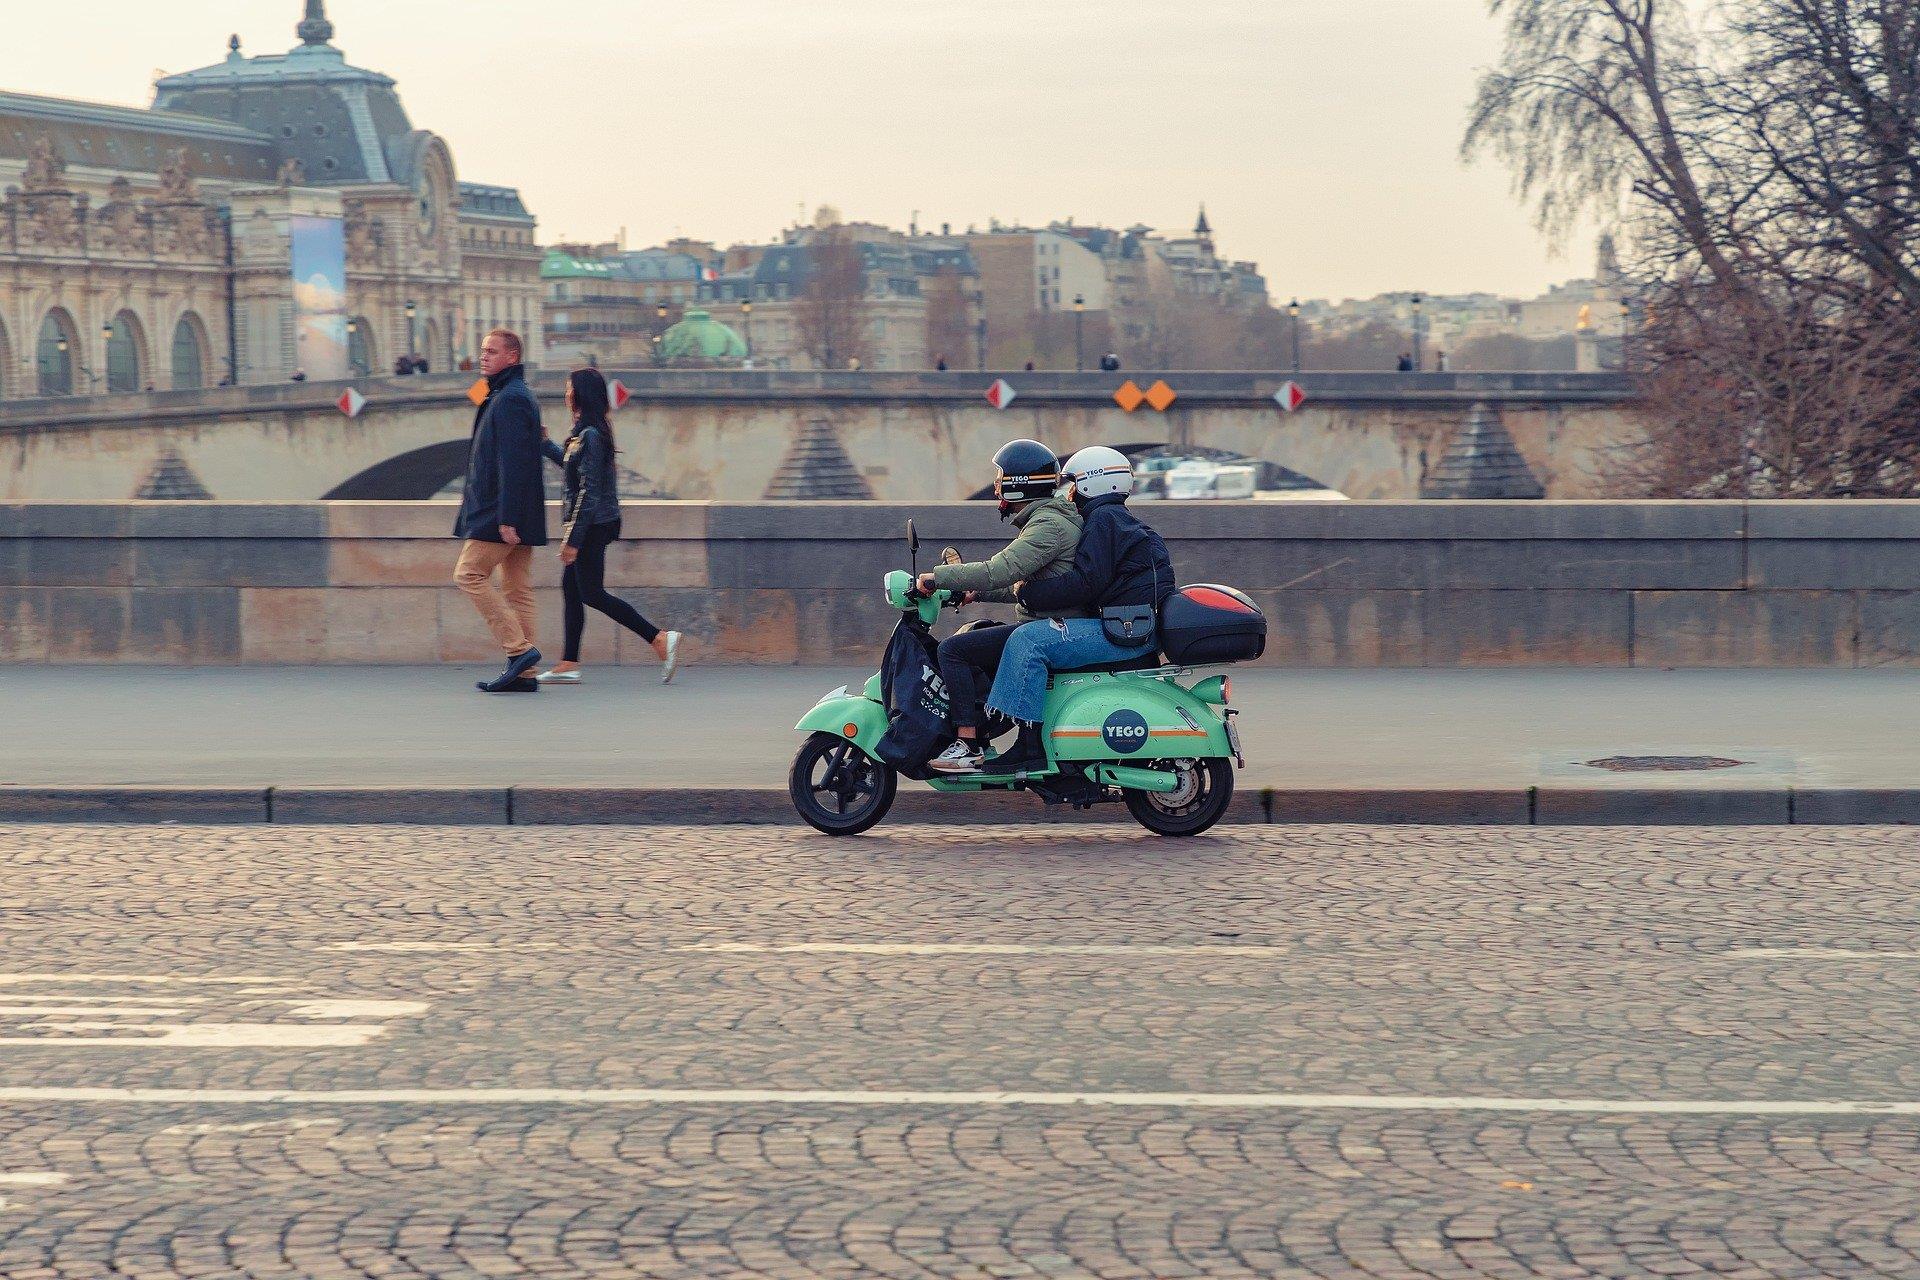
{"x": 1027, "y": 474}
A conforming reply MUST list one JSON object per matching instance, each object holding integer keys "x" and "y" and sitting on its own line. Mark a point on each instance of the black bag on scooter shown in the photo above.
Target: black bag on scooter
{"x": 920, "y": 725}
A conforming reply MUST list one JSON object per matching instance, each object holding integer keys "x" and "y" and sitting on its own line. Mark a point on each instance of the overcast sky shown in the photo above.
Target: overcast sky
{"x": 1322, "y": 134}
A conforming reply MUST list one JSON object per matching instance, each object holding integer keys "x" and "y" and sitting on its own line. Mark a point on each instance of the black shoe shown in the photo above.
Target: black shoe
{"x": 520, "y": 664}
{"x": 523, "y": 684}
{"x": 1028, "y": 755}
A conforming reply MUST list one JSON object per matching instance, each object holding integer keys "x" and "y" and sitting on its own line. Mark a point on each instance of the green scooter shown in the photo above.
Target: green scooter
{"x": 1130, "y": 731}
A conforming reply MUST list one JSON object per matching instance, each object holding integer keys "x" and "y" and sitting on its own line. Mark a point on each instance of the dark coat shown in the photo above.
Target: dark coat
{"x": 1120, "y": 561}
{"x": 593, "y": 490}
{"x": 504, "y": 484}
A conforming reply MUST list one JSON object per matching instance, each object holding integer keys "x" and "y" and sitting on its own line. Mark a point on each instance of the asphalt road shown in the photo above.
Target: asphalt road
{"x": 732, "y": 727}
{"x": 938, "y": 1052}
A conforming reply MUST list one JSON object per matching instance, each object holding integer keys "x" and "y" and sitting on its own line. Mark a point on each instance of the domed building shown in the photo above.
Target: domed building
{"x": 699, "y": 339}
{"x": 267, "y": 214}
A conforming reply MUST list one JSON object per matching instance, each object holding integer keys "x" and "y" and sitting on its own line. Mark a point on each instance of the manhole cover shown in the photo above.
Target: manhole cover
{"x": 1663, "y": 764}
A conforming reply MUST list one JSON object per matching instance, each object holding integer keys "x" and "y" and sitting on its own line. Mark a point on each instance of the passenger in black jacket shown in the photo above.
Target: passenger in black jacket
{"x": 1119, "y": 562}
{"x": 503, "y": 510}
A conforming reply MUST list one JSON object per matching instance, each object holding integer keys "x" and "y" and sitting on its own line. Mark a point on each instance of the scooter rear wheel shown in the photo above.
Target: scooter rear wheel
{"x": 838, "y": 788}
{"x": 1200, "y": 802}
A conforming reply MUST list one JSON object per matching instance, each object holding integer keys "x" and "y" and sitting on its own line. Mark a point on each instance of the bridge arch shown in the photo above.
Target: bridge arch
{"x": 413, "y": 476}
{"x": 1272, "y": 474}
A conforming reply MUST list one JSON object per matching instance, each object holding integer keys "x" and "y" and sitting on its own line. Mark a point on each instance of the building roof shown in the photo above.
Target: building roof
{"x": 98, "y": 135}
{"x": 484, "y": 200}
{"x": 643, "y": 265}
{"x": 699, "y": 337}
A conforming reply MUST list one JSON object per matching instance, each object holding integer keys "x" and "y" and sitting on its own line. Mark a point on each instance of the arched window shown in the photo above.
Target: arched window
{"x": 126, "y": 354}
{"x": 430, "y": 347}
{"x": 6, "y": 363}
{"x": 189, "y": 353}
{"x": 360, "y": 352}
{"x": 56, "y": 352}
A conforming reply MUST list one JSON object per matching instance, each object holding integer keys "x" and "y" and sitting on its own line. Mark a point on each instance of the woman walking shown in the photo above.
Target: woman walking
{"x": 592, "y": 514}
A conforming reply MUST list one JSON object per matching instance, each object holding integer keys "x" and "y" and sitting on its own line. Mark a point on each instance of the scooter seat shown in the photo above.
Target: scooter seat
{"x": 1145, "y": 662}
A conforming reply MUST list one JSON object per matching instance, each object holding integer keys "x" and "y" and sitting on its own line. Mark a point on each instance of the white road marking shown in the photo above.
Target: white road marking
{"x": 359, "y": 1008}
{"x": 34, "y": 1179}
{"x": 21, "y": 997}
{"x": 202, "y": 1035}
{"x": 422, "y": 945}
{"x": 976, "y": 949}
{"x": 86, "y": 1010}
{"x": 11, "y": 979}
{"x": 1818, "y": 953}
{"x": 506, "y": 1097}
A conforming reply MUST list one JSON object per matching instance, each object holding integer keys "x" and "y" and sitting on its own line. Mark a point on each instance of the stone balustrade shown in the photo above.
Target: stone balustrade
{"x": 1813, "y": 584}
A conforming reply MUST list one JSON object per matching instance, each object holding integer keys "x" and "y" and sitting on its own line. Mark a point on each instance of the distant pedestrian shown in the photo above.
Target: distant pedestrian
{"x": 1439, "y": 362}
{"x": 853, "y": 364}
{"x": 402, "y": 366}
{"x": 1029, "y": 366}
{"x": 420, "y": 365}
{"x": 592, "y": 511}
{"x": 940, "y": 364}
{"x": 503, "y": 510}
{"x": 466, "y": 364}
{"x": 299, "y": 375}
{"x": 1110, "y": 362}
{"x": 1406, "y": 363}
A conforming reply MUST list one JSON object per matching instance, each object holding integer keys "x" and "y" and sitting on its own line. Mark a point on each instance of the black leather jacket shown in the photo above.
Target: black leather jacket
{"x": 593, "y": 492}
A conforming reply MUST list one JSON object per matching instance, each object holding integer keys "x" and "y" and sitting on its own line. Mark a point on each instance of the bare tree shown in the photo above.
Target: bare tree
{"x": 832, "y": 308}
{"x": 949, "y": 320}
{"x": 1762, "y": 162}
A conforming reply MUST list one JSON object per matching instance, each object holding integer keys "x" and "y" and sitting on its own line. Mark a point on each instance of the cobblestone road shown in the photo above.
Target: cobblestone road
{"x": 1509, "y": 1028}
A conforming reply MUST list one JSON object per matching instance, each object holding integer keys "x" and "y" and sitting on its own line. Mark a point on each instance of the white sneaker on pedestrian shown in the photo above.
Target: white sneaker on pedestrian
{"x": 559, "y": 677}
{"x": 963, "y": 756}
{"x": 673, "y": 658}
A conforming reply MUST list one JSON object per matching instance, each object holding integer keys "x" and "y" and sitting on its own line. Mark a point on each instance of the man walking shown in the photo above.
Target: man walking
{"x": 503, "y": 510}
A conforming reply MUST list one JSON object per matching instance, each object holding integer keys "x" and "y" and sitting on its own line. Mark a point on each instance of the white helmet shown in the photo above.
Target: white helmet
{"x": 1097, "y": 471}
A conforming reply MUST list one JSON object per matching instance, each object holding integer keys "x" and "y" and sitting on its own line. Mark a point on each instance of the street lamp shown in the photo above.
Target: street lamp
{"x": 1418, "y": 358}
{"x": 746, "y": 320}
{"x": 1293, "y": 312}
{"x": 1079, "y": 341}
{"x": 411, "y": 312}
{"x": 1626, "y": 349}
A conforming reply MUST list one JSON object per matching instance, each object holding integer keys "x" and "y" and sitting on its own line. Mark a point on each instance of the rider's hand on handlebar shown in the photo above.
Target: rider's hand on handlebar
{"x": 925, "y": 584}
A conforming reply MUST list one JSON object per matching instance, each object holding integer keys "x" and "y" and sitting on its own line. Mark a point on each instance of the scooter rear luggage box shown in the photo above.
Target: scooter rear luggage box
{"x": 1209, "y": 623}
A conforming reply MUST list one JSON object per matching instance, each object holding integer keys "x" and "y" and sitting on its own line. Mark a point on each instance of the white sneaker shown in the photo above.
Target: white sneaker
{"x": 559, "y": 677}
{"x": 962, "y": 757}
{"x": 673, "y": 658}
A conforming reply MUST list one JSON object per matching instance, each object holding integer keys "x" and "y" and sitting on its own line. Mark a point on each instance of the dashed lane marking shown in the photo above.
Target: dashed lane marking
{"x": 403, "y": 947}
{"x": 953, "y": 1098}
{"x": 1818, "y": 953}
{"x": 975, "y": 949}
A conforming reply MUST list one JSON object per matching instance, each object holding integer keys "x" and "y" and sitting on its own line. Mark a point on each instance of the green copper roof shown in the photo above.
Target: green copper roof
{"x": 701, "y": 337}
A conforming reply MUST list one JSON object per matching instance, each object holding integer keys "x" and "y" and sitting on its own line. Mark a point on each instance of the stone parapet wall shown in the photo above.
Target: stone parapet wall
{"x": 1470, "y": 584}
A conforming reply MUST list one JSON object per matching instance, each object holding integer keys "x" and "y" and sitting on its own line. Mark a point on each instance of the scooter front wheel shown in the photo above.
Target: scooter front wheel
{"x": 838, "y": 788}
{"x": 1206, "y": 788}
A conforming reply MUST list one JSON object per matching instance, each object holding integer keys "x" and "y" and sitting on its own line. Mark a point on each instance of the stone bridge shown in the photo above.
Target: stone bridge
{"x": 744, "y": 436}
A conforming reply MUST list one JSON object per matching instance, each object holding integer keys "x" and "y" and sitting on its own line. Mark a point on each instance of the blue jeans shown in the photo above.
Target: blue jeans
{"x": 1020, "y": 687}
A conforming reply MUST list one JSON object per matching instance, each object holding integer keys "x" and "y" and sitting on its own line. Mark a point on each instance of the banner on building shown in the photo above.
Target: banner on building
{"x": 320, "y": 298}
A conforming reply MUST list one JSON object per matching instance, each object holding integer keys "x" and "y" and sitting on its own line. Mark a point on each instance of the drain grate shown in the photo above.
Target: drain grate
{"x": 1663, "y": 764}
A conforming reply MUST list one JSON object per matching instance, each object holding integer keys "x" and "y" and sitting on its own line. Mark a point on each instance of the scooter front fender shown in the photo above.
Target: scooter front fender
{"x": 861, "y": 721}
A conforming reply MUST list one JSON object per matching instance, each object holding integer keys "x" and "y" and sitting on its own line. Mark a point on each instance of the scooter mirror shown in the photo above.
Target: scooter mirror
{"x": 913, "y": 538}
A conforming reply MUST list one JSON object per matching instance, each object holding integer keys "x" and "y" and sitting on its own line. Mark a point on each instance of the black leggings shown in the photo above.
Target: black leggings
{"x": 968, "y": 660}
{"x": 584, "y": 583}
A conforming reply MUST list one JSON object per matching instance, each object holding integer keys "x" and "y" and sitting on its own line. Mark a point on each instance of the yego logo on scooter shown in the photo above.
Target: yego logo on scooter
{"x": 1124, "y": 732}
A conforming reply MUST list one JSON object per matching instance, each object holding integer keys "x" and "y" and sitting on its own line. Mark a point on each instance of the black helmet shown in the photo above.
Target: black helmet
{"x": 1028, "y": 472}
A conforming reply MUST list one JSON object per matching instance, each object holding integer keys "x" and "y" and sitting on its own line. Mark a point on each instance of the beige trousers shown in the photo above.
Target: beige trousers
{"x": 508, "y": 610}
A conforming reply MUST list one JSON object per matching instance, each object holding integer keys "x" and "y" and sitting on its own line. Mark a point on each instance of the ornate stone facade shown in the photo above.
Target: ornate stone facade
{"x": 152, "y": 248}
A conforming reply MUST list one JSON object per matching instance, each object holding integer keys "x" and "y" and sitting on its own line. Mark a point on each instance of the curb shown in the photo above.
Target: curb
{"x": 768, "y": 806}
